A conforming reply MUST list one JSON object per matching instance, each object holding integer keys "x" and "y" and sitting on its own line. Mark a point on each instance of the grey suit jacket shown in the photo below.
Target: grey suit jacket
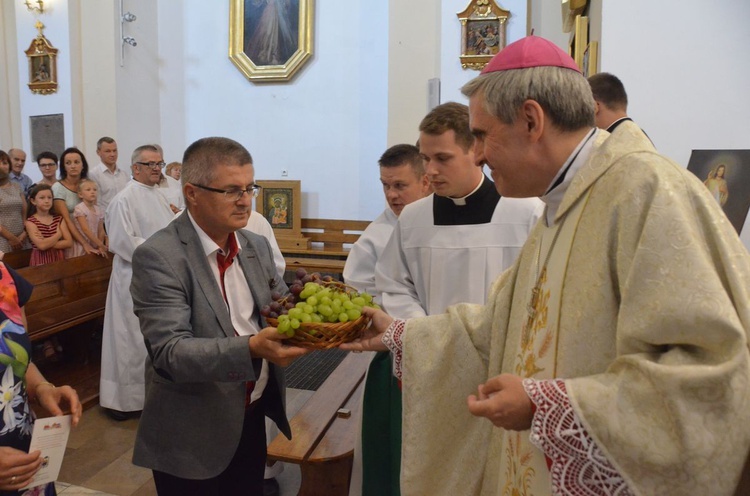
{"x": 196, "y": 367}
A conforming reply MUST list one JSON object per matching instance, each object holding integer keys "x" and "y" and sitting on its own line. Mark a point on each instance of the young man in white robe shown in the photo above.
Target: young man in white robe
{"x": 404, "y": 181}
{"x": 133, "y": 215}
{"x": 612, "y": 358}
{"x": 446, "y": 248}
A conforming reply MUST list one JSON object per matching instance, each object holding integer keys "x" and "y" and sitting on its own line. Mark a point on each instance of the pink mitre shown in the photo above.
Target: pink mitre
{"x": 531, "y": 51}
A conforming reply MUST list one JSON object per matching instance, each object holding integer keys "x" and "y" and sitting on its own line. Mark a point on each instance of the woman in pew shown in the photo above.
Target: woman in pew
{"x": 73, "y": 168}
{"x": 20, "y": 382}
{"x": 48, "y": 233}
{"x": 12, "y": 210}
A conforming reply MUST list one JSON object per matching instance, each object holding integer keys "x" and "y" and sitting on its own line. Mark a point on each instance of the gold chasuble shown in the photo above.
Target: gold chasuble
{"x": 642, "y": 309}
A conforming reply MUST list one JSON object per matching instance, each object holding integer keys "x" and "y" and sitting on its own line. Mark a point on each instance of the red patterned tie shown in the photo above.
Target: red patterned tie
{"x": 224, "y": 263}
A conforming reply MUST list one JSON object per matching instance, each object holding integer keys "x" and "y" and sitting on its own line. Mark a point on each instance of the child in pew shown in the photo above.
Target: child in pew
{"x": 89, "y": 218}
{"x": 49, "y": 235}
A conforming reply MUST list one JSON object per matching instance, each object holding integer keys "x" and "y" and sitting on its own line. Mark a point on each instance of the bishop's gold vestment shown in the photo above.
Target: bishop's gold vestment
{"x": 649, "y": 332}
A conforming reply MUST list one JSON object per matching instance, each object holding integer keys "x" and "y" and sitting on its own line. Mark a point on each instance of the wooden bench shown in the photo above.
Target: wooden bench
{"x": 330, "y": 240}
{"x": 66, "y": 293}
{"x": 324, "y": 431}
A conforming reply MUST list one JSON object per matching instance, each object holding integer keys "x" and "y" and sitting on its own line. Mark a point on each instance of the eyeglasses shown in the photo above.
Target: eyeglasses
{"x": 152, "y": 164}
{"x": 234, "y": 194}
{"x": 47, "y": 165}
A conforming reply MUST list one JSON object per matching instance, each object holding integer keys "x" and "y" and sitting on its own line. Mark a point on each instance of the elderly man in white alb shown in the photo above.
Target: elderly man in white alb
{"x": 134, "y": 214}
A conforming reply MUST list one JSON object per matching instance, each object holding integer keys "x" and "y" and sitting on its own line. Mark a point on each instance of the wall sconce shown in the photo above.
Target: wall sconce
{"x": 32, "y": 8}
{"x": 126, "y": 40}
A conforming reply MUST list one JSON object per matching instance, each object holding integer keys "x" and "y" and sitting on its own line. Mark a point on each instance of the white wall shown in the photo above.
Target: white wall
{"x": 685, "y": 68}
{"x": 56, "y": 31}
{"x": 327, "y": 126}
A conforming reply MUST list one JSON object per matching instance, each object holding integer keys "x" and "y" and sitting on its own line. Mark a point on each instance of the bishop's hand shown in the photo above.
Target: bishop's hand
{"x": 372, "y": 337}
{"x": 504, "y": 401}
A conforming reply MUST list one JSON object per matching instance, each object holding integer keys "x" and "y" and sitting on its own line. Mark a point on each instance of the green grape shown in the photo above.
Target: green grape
{"x": 294, "y": 323}
{"x": 343, "y": 317}
{"x": 312, "y": 301}
{"x": 283, "y": 318}
{"x": 334, "y": 317}
{"x": 359, "y": 301}
{"x": 324, "y": 310}
{"x": 353, "y": 314}
{"x": 348, "y": 305}
{"x": 284, "y": 326}
{"x": 301, "y": 304}
{"x": 306, "y": 318}
{"x": 295, "y": 313}
{"x": 290, "y": 333}
{"x": 367, "y": 297}
{"x": 316, "y": 318}
{"x": 325, "y": 300}
{"x": 308, "y": 309}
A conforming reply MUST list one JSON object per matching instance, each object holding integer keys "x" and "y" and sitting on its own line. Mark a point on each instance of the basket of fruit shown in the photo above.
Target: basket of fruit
{"x": 320, "y": 312}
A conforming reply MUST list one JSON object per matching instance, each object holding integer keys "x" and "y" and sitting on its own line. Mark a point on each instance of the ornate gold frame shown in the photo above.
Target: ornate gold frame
{"x": 579, "y": 41}
{"x": 42, "y": 64}
{"x": 482, "y": 13}
{"x": 257, "y": 72}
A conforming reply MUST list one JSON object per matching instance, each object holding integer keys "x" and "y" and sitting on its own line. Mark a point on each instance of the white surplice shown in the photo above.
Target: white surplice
{"x": 134, "y": 214}
{"x": 259, "y": 225}
{"x": 425, "y": 268}
{"x": 359, "y": 270}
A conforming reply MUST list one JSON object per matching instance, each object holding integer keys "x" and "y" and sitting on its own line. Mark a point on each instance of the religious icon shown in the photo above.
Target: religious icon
{"x": 278, "y": 212}
{"x": 270, "y": 39}
{"x": 42, "y": 64}
{"x": 483, "y": 25}
{"x": 726, "y": 174}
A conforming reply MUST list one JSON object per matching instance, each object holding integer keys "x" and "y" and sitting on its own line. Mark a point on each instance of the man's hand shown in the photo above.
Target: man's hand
{"x": 504, "y": 401}
{"x": 51, "y": 398}
{"x": 17, "y": 468}
{"x": 268, "y": 344}
{"x": 372, "y": 337}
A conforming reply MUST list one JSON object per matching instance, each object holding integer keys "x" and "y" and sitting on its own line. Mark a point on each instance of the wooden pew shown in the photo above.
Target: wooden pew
{"x": 330, "y": 241}
{"x": 66, "y": 293}
{"x": 324, "y": 431}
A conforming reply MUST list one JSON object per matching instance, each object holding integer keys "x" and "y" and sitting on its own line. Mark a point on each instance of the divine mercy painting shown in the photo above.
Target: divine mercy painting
{"x": 271, "y": 31}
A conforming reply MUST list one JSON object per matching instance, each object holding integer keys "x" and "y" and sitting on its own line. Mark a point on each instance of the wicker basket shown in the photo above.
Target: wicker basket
{"x": 324, "y": 336}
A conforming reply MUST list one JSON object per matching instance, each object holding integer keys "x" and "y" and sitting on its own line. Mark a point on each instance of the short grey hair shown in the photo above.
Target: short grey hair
{"x": 564, "y": 95}
{"x": 136, "y": 157}
{"x": 201, "y": 158}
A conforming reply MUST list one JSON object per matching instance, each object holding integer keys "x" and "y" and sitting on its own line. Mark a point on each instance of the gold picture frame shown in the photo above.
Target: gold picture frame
{"x": 591, "y": 59}
{"x": 280, "y": 202}
{"x": 483, "y": 32}
{"x": 270, "y": 40}
{"x": 42, "y": 58}
{"x": 579, "y": 41}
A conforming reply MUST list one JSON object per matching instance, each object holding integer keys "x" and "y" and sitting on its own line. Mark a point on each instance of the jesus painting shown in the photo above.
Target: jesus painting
{"x": 271, "y": 30}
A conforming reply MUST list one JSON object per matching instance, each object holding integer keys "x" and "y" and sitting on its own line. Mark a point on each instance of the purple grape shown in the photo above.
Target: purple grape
{"x": 275, "y": 306}
{"x": 298, "y": 282}
{"x": 265, "y": 310}
{"x": 275, "y": 295}
{"x": 296, "y": 289}
{"x": 273, "y": 315}
{"x": 301, "y": 273}
{"x": 327, "y": 279}
{"x": 288, "y": 306}
{"x": 307, "y": 279}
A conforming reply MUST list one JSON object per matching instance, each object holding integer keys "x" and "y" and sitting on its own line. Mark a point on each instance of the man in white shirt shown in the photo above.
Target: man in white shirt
{"x": 110, "y": 178}
{"x": 17, "y": 163}
{"x": 404, "y": 181}
{"x": 134, "y": 214}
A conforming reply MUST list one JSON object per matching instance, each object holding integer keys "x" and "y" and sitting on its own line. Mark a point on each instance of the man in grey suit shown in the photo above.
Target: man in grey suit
{"x": 213, "y": 370}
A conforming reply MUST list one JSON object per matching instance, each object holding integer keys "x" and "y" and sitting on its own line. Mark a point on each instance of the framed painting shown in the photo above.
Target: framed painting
{"x": 280, "y": 202}
{"x": 579, "y": 41}
{"x": 270, "y": 40}
{"x": 726, "y": 174}
{"x": 483, "y": 32}
{"x": 42, "y": 58}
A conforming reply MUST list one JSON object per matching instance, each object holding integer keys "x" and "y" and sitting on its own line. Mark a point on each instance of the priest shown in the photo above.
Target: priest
{"x": 133, "y": 215}
{"x": 612, "y": 357}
